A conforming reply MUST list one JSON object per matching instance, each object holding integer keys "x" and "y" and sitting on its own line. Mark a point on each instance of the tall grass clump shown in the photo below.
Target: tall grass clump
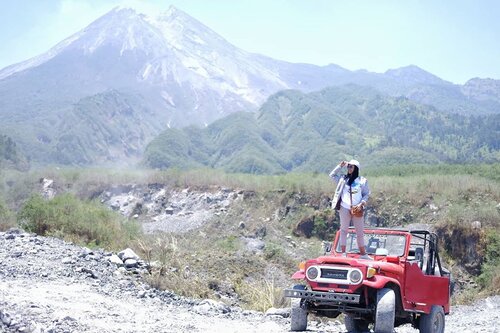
{"x": 169, "y": 266}
{"x": 262, "y": 294}
{"x": 79, "y": 221}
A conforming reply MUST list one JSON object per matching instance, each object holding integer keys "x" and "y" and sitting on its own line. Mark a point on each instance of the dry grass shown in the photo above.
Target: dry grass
{"x": 168, "y": 267}
{"x": 262, "y": 294}
{"x": 213, "y": 261}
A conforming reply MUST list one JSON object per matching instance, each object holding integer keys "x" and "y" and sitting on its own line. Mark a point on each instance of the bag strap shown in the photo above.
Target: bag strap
{"x": 350, "y": 194}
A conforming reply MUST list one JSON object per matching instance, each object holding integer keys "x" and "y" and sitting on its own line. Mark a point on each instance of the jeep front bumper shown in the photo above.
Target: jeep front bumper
{"x": 322, "y": 296}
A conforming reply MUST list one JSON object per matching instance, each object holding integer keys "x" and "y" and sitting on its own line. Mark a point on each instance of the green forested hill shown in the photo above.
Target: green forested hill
{"x": 103, "y": 128}
{"x": 10, "y": 157}
{"x": 311, "y": 132}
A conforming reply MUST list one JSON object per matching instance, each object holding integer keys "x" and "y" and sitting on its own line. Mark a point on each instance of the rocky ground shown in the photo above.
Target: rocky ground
{"x": 47, "y": 285}
{"x": 168, "y": 210}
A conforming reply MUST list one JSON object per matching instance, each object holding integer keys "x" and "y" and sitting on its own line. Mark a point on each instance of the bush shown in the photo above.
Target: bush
{"x": 83, "y": 222}
{"x": 7, "y": 219}
{"x": 229, "y": 244}
{"x": 489, "y": 279}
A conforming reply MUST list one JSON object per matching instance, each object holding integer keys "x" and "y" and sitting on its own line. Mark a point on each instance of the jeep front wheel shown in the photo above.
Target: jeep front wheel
{"x": 432, "y": 322}
{"x": 385, "y": 311}
{"x": 298, "y": 317}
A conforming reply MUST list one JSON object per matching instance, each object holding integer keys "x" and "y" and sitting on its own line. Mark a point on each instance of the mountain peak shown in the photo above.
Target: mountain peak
{"x": 122, "y": 9}
{"x": 172, "y": 10}
{"x": 181, "y": 29}
{"x": 414, "y": 74}
{"x": 119, "y": 12}
{"x": 118, "y": 15}
{"x": 174, "y": 14}
{"x": 482, "y": 89}
{"x": 410, "y": 69}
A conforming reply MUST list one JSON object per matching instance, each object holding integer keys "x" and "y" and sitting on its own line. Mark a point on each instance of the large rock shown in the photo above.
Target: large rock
{"x": 209, "y": 306}
{"x": 305, "y": 227}
{"x": 127, "y": 254}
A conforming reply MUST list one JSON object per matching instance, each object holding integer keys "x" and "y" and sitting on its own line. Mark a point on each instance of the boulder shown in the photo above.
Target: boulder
{"x": 127, "y": 254}
{"x": 115, "y": 260}
{"x": 305, "y": 227}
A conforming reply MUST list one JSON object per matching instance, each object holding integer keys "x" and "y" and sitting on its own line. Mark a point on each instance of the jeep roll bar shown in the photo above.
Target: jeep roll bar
{"x": 430, "y": 240}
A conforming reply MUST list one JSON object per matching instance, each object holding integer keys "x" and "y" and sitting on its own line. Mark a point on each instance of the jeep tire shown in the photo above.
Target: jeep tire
{"x": 298, "y": 315}
{"x": 385, "y": 311}
{"x": 355, "y": 325}
{"x": 432, "y": 322}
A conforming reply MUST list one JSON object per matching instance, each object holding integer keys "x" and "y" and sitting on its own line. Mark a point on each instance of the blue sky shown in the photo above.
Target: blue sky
{"x": 453, "y": 39}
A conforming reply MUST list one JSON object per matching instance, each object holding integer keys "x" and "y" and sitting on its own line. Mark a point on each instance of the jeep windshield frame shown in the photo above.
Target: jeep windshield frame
{"x": 377, "y": 242}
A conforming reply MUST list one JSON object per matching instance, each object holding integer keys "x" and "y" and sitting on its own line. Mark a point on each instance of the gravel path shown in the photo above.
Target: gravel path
{"x": 47, "y": 285}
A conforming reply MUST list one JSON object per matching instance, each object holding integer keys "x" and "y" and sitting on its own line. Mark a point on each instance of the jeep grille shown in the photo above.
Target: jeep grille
{"x": 338, "y": 274}
{"x": 333, "y": 274}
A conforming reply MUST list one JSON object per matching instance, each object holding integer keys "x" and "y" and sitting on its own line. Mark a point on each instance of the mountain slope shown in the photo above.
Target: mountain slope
{"x": 181, "y": 73}
{"x": 10, "y": 156}
{"x": 308, "y": 132}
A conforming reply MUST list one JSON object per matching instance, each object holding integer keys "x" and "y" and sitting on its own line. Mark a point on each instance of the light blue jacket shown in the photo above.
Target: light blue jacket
{"x": 341, "y": 180}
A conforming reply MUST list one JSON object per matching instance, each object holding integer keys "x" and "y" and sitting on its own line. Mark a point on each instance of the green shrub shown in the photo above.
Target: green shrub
{"x": 324, "y": 224}
{"x": 489, "y": 279}
{"x": 229, "y": 244}
{"x": 83, "y": 222}
{"x": 7, "y": 218}
{"x": 273, "y": 251}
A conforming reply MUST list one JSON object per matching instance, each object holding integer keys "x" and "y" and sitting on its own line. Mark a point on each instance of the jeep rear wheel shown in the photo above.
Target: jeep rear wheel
{"x": 385, "y": 311}
{"x": 355, "y": 325}
{"x": 432, "y": 322}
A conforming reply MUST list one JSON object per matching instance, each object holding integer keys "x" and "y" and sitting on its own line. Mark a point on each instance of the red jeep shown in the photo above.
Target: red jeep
{"x": 404, "y": 283}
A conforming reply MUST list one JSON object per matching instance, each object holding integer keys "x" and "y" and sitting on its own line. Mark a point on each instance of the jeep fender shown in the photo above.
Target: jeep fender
{"x": 379, "y": 282}
{"x": 299, "y": 275}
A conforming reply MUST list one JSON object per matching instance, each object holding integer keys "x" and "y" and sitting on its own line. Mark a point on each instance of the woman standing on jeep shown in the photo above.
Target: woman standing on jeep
{"x": 350, "y": 199}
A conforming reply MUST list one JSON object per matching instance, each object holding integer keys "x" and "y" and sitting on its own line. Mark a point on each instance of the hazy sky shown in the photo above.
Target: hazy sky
{"x": 453, "y": 39}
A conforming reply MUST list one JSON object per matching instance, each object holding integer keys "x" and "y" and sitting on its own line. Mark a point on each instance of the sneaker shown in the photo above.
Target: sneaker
{"x": 366, "y": 257}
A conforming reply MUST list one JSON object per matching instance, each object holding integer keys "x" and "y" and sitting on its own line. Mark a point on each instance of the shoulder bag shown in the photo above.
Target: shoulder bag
{"x": 358, "y": 210}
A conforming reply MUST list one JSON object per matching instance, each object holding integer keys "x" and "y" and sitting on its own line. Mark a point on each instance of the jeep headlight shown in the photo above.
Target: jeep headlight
{"x": 312, "y": 273}
{"x": 370, "y": 272}
{"x": 355, "y": 276}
